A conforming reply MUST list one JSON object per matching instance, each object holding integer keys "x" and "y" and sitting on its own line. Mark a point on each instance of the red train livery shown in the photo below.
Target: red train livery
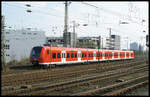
{"x": 47, "y": 55}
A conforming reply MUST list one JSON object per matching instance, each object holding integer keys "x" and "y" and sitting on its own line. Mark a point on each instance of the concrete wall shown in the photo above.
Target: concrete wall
{"x": 21, "y": 42}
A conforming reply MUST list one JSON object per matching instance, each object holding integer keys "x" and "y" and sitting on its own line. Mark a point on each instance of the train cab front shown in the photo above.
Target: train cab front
{"x": 35, "y": 57}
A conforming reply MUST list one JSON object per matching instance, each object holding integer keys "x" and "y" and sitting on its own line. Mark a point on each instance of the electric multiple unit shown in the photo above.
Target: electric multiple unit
{"x": 47, "y": 55}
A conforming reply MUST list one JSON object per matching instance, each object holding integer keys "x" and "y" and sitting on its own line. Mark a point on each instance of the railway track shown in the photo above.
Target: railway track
{"x": 15, "y": 76}
{"x": 38, "y": 89}
{"x": 20, "y": 72}
{"x": 116, "y": 89}
{"x": 17, "y": 72}
{"x": 124, "y": 90}
{"x": 102, "y": 67}
{"x": 78, "y": 87}
{"x": 49, "y": 76}
{"x": 75, "y": 83}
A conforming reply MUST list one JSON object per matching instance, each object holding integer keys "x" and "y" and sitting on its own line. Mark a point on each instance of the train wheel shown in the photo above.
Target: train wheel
{"x": 49, "y": 66}
{"x": 53, "y": 65}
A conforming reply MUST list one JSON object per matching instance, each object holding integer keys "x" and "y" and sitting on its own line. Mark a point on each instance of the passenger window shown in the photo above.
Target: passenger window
{"x": 85, "y": 54}
{"x": 72, "y": 55}
{"x": 82, "y": 55}
{"x": 62, "y": 55}
{"x": 58, "y": 55}
{"x": 68, "y": 55}
{"x": 54, "y": 55}
{"x": 47, "y": 51}
{"x": 89, "y": 55}
{"x": 75, "y": 55}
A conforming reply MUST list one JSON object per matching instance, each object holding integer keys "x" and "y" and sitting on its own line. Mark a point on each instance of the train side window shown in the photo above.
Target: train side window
{"x": 75, "y": 55}
{"x": 68, "y": 55}
{"x": 58, "y": 55}
{"x": 72, "y": 55}
{"x": 62, "y": 55}
{"x": 85, "y": 55}
{"x": 54, "y": 55}
{"x": 89, "y": 55}
{"x": 82, "y": 55}
{"x": 47, "y": 51}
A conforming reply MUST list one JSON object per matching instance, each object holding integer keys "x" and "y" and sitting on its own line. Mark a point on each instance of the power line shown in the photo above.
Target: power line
{"x": 113, "y": 12}
{"x": 46, "y": 13}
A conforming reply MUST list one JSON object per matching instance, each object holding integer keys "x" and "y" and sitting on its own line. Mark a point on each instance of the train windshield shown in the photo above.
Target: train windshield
{"x": 36, "y": 51}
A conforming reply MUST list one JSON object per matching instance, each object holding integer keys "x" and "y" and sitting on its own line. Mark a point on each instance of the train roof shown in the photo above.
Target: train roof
{"x": 84, "y": 49}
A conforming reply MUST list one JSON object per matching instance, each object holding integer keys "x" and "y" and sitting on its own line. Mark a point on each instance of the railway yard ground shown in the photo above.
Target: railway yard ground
{"x": 124, "y": 77}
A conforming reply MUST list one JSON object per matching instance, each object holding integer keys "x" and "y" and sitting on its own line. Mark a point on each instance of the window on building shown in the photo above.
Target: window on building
{"x": 7, "y": 40}
{"x": 7, "y": 32}
{"x": 7, "y": 54}
{"x": 34, "y": 33}
{"x": 54, "y": 55}
{"x": 8, "y": 47}
{"x": 23, "y": 33}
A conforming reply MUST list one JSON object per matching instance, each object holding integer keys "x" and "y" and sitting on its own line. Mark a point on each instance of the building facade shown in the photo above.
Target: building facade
{"x": 55, "y": 41}
{"x": 70, "y": 39}
{"x": 89, "y": 42}
{"x": 18, "y": 43}
{"x": 115, "y": 42}
{"x": 112, "y": 43}
{"x": 134, "y": 46}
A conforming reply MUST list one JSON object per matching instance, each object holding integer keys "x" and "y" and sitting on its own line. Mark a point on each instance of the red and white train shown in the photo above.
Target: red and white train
{"x": 48, "y": 56}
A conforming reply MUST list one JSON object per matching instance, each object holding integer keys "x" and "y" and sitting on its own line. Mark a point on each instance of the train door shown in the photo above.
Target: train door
{"x": 94, "y": 55}
{"x": 112, "y": 55}
{"x": 79, "y": 56}
{"x": 63, "y": 56}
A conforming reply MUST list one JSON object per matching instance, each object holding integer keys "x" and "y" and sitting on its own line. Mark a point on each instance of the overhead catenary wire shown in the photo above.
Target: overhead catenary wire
{"x": 47, "y": 13}
{"x": 123, "y": 16}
